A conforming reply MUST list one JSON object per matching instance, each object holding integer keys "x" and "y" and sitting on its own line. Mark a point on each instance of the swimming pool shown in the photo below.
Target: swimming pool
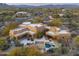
{"x": 47, "y": 45}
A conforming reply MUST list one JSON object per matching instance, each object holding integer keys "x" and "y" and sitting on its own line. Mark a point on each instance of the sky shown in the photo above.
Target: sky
{"x": 38, "y": 4}
{"x": 35, "y": 4}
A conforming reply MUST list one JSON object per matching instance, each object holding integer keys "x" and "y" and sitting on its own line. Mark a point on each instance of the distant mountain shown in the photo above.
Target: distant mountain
{"x": 48, "y": 6}
{"x": 23, "y": 6}
{"x": 3, "y": 5}
{"x": 60, "y": 6}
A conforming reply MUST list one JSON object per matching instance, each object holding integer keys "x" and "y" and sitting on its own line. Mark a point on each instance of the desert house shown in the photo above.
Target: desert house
{"x": 57, "y": 34}
{"x": 26, "y": 28}
{"x": 20, "y": 32}
{"x": 23, "y": 14}
{"x": 33, "y": 27}
{"x": 29, "y": 31}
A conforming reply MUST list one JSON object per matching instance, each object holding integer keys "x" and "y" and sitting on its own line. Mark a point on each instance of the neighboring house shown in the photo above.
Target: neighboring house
{"x": 47, "y": 19}
{"x": 38, "y": 13}
{"x": 63, "y": 10}
{"x": 22, "y": 16}
{"x": 61, "y": 14}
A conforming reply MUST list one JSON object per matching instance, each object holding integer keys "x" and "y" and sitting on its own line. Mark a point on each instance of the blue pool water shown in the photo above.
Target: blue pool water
{"x": 47, "y": 45}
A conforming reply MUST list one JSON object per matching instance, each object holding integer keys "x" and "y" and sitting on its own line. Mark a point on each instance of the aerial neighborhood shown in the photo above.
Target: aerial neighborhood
{"x": 39, "y": 31}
